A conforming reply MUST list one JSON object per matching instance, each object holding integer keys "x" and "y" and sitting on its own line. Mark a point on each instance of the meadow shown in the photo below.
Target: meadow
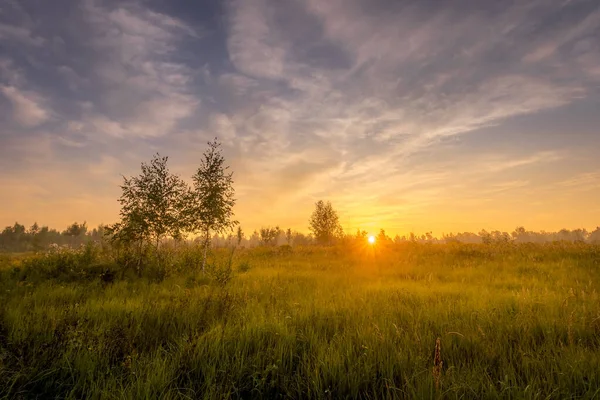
{"x": 349, "y": 321}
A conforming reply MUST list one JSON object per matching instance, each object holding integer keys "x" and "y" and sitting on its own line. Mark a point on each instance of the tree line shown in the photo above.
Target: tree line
{"x": 19, "y": 238}
{"x": 158, "y": 205}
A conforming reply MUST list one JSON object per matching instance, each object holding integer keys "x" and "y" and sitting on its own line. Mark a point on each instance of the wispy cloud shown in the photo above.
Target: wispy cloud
{"x": 507, "y": 186}
{"x": 141, "y": 92}
{"x": 541, "y": 157}
{"x": 583, "y": 181}
{"x": 346, "y": 99}
{"x": 403, "y": 75}
{"x": 28, "y": 109}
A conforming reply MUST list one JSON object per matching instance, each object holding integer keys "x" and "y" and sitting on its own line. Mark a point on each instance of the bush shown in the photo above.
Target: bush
{"x": 244, "y": 266}
{"x": 63, "y": 264}
{"x": 285, "y": 249}
{"x": 221, "y": 271}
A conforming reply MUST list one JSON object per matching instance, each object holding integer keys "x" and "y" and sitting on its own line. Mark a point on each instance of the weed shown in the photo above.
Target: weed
{"x": 437, "y": 363}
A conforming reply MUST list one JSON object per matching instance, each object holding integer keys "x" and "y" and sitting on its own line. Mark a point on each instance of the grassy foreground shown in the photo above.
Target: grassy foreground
{"x": 514, "y": 321}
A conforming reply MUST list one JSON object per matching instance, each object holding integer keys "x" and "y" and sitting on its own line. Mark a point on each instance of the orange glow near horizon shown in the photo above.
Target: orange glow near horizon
{"x": 332, "y": 114}
{"x": 371, "y": 239}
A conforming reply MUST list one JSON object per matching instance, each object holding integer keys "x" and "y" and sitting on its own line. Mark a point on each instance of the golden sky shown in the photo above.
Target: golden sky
{"x": 408, "y": 116}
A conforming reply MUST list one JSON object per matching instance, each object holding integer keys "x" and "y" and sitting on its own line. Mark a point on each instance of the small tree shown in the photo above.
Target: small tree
{"x": 595, "y": 235}
{"x": 210, "y": 208}
{"x": 76, "y": 229}
{"x": 75, "y": 232}
{"x": 239, "y": 235}
{"x": 324, "y": 223}
{"x": 152, "y": 206}
{"x": 486, "y": 237}
{"x": 35, "y": 229}
{"x": 382, "y": 237}
{"x": 33, "y": 232}
{"x": 268, "y": 236}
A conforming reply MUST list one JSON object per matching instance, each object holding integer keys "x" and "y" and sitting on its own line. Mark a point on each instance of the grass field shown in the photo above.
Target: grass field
{"x": 514, "y": 321}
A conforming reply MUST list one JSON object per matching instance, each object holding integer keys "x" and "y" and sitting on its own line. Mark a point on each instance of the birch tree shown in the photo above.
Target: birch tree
{"x": 153, "y": 205}
{"x": 212, "y": 197}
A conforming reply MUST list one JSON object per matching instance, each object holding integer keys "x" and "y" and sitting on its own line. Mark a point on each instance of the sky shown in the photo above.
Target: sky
{"x": 411, "y": 116}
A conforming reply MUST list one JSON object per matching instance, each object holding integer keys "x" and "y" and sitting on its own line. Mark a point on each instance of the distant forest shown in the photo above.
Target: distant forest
{"x": 18, "y": 238}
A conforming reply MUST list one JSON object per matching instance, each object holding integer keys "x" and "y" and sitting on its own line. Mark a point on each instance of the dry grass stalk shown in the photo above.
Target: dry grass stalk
{"x": 570, "y": 329}
{"x": 481, "y": 331}
{"x": 437, "y": 363}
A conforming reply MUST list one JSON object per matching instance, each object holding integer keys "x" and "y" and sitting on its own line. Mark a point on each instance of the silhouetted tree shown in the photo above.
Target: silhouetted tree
{"x": 382, "y": 237}
{"x": 594, "y": 236}
{"x": 300, "y": 239}
{"x": 361, "y": 235}
{"x": 75, "y": 229}
{"x": 34, "y": 229}
{"x": 486, "y": 237}
{"x": 239, "y": 235}
{"x": 75, "y": 232}
{"x": 324, "y": 223}
{"x": 268, "y": 236}
{"x": 464, "y": 237}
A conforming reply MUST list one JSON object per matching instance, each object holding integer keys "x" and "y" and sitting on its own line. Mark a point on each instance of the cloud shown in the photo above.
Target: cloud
{"x": 380, "y": 82}
{"x": 253, "y": 47}
{"x": 107, "y": 81}
{"x": 583, "y": 181}
{"x": 541, "y": 157}
{"x": 507, "y": 186}
{"x": 142, "y": 93}
{"x": 74, "y": 80}
{"x": 20, "y": 34}
{"x": 353, "y": 100}
{"x": 410, "y": 76}
{"x": 28, "y": 109}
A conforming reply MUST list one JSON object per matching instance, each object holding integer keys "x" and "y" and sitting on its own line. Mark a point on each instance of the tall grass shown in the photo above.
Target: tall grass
{"x": 513, "y": 321}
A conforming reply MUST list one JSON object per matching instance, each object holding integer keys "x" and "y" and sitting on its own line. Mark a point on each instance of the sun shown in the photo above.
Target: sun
{"x": 371, "y": 239}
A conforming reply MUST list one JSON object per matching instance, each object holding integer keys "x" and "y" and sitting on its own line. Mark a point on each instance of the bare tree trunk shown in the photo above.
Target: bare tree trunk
{"x": 139, "y": 263}
{"x": 206, "y": 242}
{"x": 158, "y": 256}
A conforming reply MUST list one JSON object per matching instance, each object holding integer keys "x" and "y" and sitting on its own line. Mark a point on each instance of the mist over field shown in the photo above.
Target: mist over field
{"x": 303, "y": 199}
{"x": 175, "y": 301}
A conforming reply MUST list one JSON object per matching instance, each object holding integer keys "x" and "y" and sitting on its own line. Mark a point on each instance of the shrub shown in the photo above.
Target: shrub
{"x": 244, "y": 266}
{"x": 222, "y": 271}
{"x": 63, "y": 264}
{"x": 285, "y": 249}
